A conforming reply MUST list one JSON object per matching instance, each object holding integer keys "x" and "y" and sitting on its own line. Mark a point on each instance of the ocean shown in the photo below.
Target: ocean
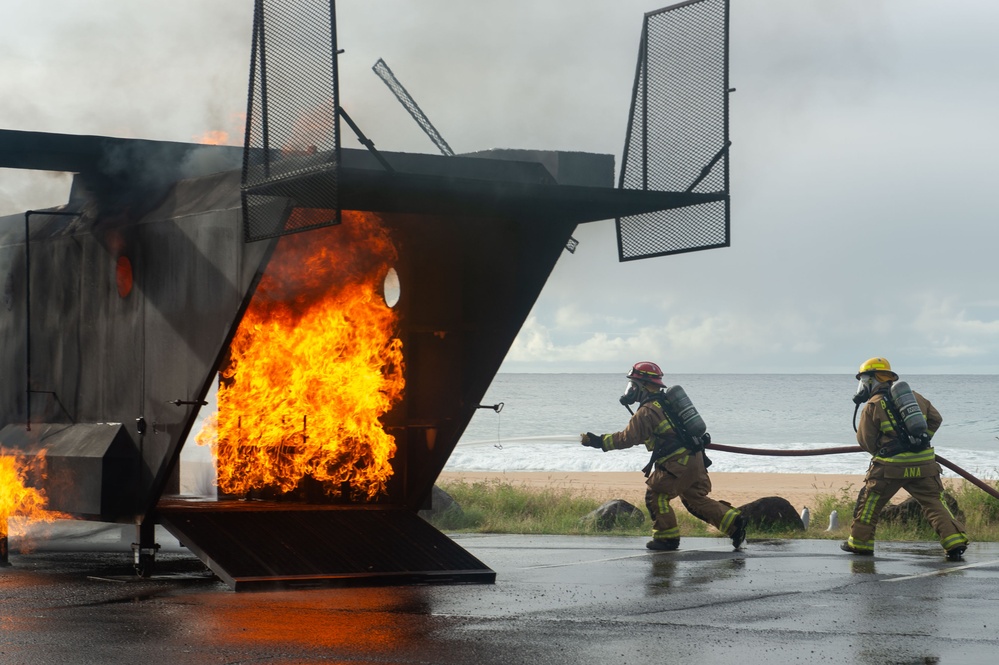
{"x": 543, "y": 414}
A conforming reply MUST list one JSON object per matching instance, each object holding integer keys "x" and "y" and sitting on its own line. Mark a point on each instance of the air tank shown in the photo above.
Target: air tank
{"x": 683, "y": 408}
{"x": 913, "y": 419}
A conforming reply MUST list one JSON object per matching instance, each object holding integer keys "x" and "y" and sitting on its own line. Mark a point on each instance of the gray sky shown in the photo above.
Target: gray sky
{"x": 863, "y": 131}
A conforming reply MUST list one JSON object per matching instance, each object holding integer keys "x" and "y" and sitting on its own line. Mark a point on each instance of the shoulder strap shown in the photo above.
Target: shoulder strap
{"x": 895, "y": 418}
{"x": 689, "y": 442}
{"x": 893, "y": 415}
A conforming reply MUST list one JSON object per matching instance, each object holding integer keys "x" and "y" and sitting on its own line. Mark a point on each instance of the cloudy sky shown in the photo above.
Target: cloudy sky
{"x": 863, "y": 158}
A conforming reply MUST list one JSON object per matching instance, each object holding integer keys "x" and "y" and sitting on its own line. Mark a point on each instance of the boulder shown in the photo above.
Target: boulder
{"x": 616, "y": 511}
{"x": 910, "y": 511}
{"x": 772, "y": 513}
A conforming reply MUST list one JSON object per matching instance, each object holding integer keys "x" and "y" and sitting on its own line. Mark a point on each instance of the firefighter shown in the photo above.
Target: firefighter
{"x": 896, "y": 426}
{"x": 667, "y": 424}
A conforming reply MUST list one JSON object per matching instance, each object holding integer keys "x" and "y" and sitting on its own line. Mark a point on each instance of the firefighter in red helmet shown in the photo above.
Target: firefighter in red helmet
{"x": 668, "y": 425}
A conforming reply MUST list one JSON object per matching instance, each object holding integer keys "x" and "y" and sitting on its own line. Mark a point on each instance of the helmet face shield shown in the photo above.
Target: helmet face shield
{"x": 865, "y": 388}
{"x": 632, "y": 393}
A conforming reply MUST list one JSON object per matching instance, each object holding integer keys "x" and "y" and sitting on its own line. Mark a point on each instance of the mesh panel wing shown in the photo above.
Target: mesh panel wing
{"x": 677, "y": 137}
{"x": 291, "y": 119}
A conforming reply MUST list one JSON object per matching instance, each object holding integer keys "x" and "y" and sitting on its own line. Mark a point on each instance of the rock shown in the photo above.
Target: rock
{"x": 616, "y": 511}
{"x": 772, "y": 513}
{"x": 440, "y": 502}
{"x": 910, "y": 511}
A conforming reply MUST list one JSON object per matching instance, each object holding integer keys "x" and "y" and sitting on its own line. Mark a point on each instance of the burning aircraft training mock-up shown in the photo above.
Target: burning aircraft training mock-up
{"x": 350, "y": 307}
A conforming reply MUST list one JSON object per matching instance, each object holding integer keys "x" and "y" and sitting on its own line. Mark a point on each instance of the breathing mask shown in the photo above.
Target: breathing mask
{"x": 632, "y": 393}
{"x": 865, "y": 388}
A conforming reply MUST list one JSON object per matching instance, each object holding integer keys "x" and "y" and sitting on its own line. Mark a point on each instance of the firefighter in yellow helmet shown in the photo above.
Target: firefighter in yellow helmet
{"x": 896, "y": 426}
{"x": 668, "y": 425}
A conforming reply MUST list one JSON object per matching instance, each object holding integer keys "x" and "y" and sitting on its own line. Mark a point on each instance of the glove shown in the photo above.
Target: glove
{"x": 592, "y": 440}
{"x": 706, "y": 438}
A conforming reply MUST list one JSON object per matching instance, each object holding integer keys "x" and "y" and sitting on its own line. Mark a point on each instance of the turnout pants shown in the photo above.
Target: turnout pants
{"x": 683, "y": 475}
{"x": 882, "y": 482}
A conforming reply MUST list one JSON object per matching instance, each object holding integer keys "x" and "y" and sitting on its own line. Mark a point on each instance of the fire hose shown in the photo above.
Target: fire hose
{"x": 982, "y": 485}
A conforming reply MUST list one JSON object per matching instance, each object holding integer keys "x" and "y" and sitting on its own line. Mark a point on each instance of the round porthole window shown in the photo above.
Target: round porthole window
{"x": 123, "y": 276}
{"x": 391, "y": 290}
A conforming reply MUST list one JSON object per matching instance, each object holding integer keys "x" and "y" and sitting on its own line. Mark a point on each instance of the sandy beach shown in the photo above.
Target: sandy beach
{"x": 800, "y": 489}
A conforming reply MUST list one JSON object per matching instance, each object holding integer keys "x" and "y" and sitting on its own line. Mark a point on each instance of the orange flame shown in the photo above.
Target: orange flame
{"x": 312, "y": 368}
{"x": 222, "y": 136}
{"x": 213, "y": 137}
{"x": 16, "y": 498}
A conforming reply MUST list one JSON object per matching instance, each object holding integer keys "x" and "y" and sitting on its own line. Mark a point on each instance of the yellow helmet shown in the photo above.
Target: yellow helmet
{"x": 880, "y": 367}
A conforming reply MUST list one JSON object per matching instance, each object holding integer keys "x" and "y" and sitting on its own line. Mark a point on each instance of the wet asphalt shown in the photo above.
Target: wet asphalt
{"x": 556, "y": 600}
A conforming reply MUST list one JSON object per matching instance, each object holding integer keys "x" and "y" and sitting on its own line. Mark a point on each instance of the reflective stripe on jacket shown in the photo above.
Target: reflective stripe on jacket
{"x": 648, "y": 425}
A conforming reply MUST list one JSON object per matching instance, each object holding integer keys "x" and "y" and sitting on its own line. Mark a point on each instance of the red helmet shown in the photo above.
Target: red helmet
{"x": 648, "y": 372}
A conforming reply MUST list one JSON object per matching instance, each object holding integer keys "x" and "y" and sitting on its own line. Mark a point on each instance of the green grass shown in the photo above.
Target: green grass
{"x": 981, "y": 516}
{"x": 494, "y": 507}
{"x": 499, "y": 507}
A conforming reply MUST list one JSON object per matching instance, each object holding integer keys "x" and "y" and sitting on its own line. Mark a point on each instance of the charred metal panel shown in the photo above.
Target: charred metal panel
{"x": 467, "y": 287}
{"x": 456, "y": 193}
{"x": 582, "y": 169}
{"x": 145, "y": 354}
{"x": 113, "y": 171}
{"x": 204, "y": 274}
{"x": 266, "y": 545}
{"x": 88, "y": 469}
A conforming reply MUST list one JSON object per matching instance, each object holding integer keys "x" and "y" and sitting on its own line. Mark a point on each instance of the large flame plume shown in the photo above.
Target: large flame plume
{"x": 313, "y": 367}
{"x": 17, "y": 499}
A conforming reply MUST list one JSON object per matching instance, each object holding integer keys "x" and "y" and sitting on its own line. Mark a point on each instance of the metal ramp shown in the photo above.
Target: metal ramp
{"x": 255, "y": 545}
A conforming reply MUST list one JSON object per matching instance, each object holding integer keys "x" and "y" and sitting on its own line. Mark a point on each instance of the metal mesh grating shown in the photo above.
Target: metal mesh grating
{"x": 265, "y": 545}
{"x": 400, "y": 92}
{"x": 677, "y": 137}
{"x": 291, "y": 117}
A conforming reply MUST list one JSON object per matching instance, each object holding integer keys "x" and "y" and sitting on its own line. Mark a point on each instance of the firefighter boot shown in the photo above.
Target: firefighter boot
{"x": 663, "y": 544}
{"x": 847, "y": 547}
{"x": 956, "y": 553}
{"x": 738, "y": 531}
